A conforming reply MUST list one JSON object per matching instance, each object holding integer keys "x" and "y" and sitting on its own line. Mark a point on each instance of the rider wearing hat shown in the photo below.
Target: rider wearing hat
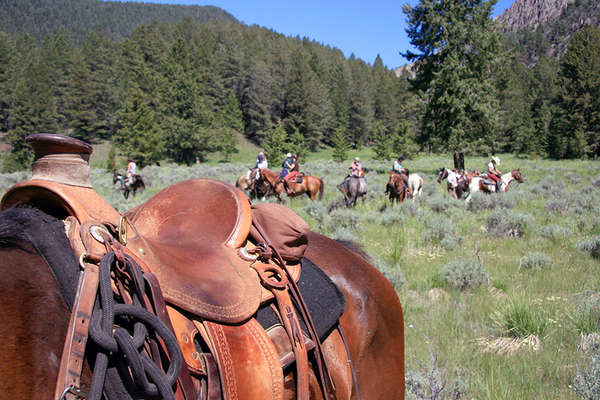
{"x": 493, "y": 172}
{"x": 287, "y": 166}
{"x": 355, "y": 167}
{"x": 397, "y": 167}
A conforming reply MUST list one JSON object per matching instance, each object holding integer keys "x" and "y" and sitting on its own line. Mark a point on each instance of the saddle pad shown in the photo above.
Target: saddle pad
{"x": 324, "y": 300}
{"x": 188, "y": 235}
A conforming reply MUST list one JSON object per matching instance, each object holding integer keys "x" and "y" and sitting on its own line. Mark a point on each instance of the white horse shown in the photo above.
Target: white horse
{"x": 479, "y": 184}
{"x": 415, "y": 184}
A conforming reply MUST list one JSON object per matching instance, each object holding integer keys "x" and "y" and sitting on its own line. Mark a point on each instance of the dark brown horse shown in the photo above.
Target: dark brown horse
{"x": 311, "y": 185}
{"x": 35, "y": 316}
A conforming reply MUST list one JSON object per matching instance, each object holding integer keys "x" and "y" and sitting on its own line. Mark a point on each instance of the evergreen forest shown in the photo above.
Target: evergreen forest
{"x": 180, "y": 88}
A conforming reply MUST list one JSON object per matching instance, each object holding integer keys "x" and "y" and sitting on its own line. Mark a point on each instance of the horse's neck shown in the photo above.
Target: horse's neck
{"x": 506, "y": 180}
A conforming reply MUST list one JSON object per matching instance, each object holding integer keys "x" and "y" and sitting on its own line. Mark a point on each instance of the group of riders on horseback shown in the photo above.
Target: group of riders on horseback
{"x": 491, "y": 181}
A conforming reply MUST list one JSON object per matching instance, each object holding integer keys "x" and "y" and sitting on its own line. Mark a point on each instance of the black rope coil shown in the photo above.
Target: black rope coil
{"x": 121, "y": 331}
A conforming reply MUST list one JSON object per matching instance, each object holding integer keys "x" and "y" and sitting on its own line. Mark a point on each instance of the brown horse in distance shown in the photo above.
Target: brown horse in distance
{"x": 397, "y": 187}
{"x": 311, "y": 185}
{"x": 35, "y": 319}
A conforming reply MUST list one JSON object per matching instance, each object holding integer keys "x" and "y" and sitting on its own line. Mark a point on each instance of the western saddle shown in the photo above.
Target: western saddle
{"x": 195, "y": 237}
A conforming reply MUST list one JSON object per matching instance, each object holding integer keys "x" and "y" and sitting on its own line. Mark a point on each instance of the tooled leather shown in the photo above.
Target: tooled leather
{"x": 269, "y": 352}
{"x": 185, "y": 243}
{"x": 224, "y": 360}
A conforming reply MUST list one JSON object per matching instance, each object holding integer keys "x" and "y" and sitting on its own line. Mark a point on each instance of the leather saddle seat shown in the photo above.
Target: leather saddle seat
{"x": 189, "y": 235}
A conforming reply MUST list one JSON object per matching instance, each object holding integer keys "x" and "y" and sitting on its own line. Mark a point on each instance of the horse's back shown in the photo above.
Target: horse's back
{"x": 372, "y": 322}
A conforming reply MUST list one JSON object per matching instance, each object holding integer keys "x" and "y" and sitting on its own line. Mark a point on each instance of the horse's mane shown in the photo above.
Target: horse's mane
{"x": 19, "y": 225}
{"x": 354, "y": 247}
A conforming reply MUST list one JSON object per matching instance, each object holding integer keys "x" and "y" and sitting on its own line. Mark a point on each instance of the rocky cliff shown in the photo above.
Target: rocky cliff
{"x": 529, "y": 14}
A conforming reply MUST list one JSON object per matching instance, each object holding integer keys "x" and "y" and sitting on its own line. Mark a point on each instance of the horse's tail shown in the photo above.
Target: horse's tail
{"x": 321, "y": 187}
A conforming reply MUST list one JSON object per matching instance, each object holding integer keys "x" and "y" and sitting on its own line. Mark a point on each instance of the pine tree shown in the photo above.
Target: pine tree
{"x": 458, "y": 50}
{"x": 78, "y": 103}
{"x": 383, "y": 141}
{"x": 298, "y": 143}
{"x": 32, "y": 111}
{"x": 576, "y": 122}
{"x": 341, "y": 145}
{"x": 275, "y": 144}
{"x": 140, "y": 135}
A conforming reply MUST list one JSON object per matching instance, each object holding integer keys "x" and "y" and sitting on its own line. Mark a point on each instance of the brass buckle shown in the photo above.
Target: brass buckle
{"x": 123, "y": 230}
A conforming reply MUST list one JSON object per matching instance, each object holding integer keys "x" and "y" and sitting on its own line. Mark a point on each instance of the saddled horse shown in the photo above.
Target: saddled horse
{"x": 120, "y": 182}
{"x": 35, "y": 300}
{"x": 486, "y": 185}
{"x": 462, "y": 180}
{"x": 303, "y": 184}
{"x": 352, "y": 188}
{"x": 250, "y": 184}
{"x": 397, "y": 187}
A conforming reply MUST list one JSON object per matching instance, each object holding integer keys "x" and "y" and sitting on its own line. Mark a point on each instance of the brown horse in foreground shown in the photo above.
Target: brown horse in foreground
{"x": 35, "y": 316}
{"x": 311, "y": 185}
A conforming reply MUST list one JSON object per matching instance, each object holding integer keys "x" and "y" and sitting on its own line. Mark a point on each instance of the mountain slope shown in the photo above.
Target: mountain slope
{"x": 545, "y": 27}
{"x": 39, "y": 18}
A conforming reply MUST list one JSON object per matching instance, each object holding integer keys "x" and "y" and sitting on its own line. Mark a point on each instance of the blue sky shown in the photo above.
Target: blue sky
{"x": 353, "y": 26}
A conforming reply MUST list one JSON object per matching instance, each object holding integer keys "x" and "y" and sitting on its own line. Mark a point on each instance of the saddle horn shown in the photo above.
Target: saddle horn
{"x": 61, "y": 159}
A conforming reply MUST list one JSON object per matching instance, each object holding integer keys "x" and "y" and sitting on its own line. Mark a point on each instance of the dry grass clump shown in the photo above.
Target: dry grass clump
{"x": 509, "y": 345}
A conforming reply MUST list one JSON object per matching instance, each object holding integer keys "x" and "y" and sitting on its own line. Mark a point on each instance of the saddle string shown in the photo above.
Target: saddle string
{"x": 267, "y": 250}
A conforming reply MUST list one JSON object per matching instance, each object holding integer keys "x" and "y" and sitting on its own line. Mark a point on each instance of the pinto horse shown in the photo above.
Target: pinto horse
{"x": 478, "y": 184}
{"x": 311, "y": 185}
{"x": 250, "y": 184}
{"x": 35, "y": 315}
{"x": 120, "y": 183}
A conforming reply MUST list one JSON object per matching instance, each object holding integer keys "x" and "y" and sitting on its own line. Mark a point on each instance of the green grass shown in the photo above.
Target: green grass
{"x": 412, "y": 242}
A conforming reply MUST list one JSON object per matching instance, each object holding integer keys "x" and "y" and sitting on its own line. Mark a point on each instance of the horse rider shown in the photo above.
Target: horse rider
{"x": 397, "y": 167}
{"x": 287, "y": 166}
{"x": 493, "y": 173}
{"x": 354, "y": 168}
{"x": 261, "y": 161}
{"x": 131, "y": 168}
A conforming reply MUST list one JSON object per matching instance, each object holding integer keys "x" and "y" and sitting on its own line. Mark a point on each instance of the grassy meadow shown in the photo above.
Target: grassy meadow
{"x": 501, "y": 297}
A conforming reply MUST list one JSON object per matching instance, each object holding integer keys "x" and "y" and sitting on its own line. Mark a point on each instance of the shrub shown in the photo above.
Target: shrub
{"x": 554, "y": 231}
{"x": 317, "y": 210}
{"x": 392, "y": 217}
{"x": 591, "y": 246}
{"x": 573, "y": 177}
{"x": 478, "y": 202}
{"x": 344, "y": 218}
{"x": 520, "y": 320}
{"x": 587, "y": 317}
{"x": 393, "y": 273}
{"x": 465, "y": 274}
{"x": 342, "y": 233}
{"x": 440, "y": 229}
{"x": 502, "y": 200}
{"x": 557, "y": 205}
{"x": 587, "y": 382}
{"x": 502, "y": 223}
{"x": 438, "y": 203}
{"x": 535, "y": 261}
{"x": 596, "y": 181}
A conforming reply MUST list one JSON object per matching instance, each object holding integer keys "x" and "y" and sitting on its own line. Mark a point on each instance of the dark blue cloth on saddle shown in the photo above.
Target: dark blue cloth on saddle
{"x": 324, "y": 300}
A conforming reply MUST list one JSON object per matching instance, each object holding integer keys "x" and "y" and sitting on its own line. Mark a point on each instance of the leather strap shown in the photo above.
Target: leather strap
{"x": 71, "y": 363}
{"x": 275, "y": 279}
{"x": 185, "y": 385}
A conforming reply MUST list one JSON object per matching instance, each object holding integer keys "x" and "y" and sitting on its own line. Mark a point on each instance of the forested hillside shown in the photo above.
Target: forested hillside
{"x": 178, "y": 91}
{"x": 40, "y": 18}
